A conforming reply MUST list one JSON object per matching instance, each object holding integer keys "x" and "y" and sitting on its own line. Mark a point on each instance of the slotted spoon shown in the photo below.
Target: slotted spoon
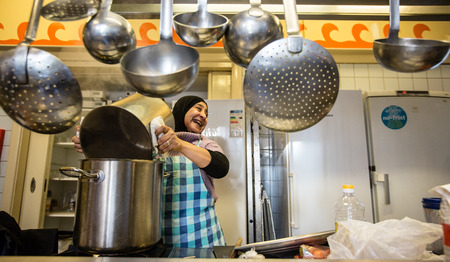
{"x": 37, "y": 90}
{"x": 292, "y": 83}
{"x": 70, "y": 10}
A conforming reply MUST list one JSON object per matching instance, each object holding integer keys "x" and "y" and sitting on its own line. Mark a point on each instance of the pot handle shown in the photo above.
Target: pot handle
{"x": 97, "y": 176}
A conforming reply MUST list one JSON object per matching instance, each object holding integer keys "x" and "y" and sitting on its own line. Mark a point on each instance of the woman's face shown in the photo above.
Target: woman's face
{"x": 195, "y": 119}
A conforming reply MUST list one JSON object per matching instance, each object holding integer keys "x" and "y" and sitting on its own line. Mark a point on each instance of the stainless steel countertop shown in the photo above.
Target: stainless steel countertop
{"x": 135, "y": 259}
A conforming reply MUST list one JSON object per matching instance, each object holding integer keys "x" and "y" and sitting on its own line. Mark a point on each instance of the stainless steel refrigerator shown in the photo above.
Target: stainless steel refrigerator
{"x": 303, "y": 172}
{"x": 409, "y": 149}
{"x": 361, "y": 142}
{"x": 324, "y": 157}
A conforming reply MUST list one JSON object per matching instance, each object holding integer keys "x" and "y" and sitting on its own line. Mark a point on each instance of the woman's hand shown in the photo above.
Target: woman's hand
{"x": 76, "y": 141}
{"x": 169, "y": 140}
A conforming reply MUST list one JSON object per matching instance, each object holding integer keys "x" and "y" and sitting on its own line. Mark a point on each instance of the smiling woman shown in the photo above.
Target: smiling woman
{"x": 189, "y": 196}
{"x": 188, "y": 106}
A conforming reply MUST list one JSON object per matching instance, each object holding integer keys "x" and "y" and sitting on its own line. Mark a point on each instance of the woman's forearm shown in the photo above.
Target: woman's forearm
{"x": 200, "y": 156}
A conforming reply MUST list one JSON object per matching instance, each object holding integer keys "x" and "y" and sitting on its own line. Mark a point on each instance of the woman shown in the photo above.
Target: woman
{"x": 189, "y": 217}
{"x": 193, "y": 161}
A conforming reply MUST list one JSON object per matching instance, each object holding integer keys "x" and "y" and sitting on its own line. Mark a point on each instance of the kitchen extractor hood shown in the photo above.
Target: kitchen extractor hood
{"x": 414, "y": 10}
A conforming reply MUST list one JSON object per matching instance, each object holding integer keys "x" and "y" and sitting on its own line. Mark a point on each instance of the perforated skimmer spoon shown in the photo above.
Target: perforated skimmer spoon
{"x": 37, "y": 90}
{"x": 291, "y": 84}
{"x": 70, "y": 10}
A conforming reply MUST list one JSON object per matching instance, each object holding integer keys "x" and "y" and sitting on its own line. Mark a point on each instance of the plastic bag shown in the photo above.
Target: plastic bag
{"x": 389, "y": 239}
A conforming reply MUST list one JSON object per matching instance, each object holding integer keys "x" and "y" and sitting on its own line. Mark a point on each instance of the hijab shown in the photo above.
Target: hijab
{"x": 180, "y": 109}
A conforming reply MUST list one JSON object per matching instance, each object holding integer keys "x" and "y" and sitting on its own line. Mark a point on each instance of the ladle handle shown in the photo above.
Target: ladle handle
{"x": 202, "y": 6}
{"x": 394, "y": 19}
{"x": 166, "y": 20}
{"x": 105, "y": 7}
{"x": 33, "y": 24}
{"x": 21, "y": 51}
{"x": 255, "y": 9}
{"x": 295, "y": 41}
{"x": 290, "y": 13}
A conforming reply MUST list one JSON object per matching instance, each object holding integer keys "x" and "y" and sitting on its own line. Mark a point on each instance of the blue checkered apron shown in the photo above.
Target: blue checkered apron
{"x": 189, "y": 216}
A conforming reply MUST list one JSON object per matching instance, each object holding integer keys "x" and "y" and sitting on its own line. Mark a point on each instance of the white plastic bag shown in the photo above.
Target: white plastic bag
{"x": 389, "y": 239}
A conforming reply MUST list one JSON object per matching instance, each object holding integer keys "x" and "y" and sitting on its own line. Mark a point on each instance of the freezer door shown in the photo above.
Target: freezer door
{"x": 323, "y": 158}
{"x": 226, "y": 126}
{"x": 410, "y": 149}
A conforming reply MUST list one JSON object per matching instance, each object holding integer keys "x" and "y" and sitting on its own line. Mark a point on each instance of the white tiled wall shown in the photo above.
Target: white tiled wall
{"x": 5, "y": 123}
{"x": 373, "y": 77}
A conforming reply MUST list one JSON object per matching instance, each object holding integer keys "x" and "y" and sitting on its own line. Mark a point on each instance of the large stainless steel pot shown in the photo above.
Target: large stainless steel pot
{"x": 118, "y": 205}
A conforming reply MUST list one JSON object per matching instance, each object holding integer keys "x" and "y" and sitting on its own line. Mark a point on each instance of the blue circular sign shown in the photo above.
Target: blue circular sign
{"x": 394, "y": 117}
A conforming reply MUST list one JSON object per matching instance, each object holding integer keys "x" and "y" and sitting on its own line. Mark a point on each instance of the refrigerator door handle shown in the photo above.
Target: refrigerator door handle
{"x": 387, "y": 196}
{"x": 384, "y": 178}
{"x": 291, "y": 202}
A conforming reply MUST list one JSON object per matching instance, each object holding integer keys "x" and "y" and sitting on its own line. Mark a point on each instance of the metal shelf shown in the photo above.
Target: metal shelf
{"x": 434, "y": 11}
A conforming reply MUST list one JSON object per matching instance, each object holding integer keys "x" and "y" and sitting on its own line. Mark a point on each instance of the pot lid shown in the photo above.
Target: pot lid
{"x": 114, "y": 132}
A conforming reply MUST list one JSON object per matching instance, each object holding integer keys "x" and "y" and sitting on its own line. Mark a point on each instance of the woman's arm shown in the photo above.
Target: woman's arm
{"x": 200, "y": 156}
{"x": 169, "y": 141}
{"x": 219, "y": 165}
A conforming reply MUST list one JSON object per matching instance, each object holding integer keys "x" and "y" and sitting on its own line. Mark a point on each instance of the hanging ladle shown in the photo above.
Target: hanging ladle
{"x": 164, "y": 69}
{"x": 37, "y": 90}
{"x": 108, "y": 36}
{"x": 248, "y": 32}
{"x": 407, "y": 54}
{"x": 200, "y": 28}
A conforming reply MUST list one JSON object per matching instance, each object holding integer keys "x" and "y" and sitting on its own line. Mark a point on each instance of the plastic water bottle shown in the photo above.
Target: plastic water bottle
{"x": 348, "y": 207}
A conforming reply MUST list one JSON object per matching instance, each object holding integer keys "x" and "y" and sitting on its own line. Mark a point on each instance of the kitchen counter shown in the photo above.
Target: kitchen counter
{"x": 135, "y": 259}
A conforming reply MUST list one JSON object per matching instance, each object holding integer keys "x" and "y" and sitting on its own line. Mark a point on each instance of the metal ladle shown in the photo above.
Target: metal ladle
{"x": 37, "y": 90}
{"x": 249, "y": 31}
{"x": 200, "y": 28}
{"x": 407, "y": 54}
{"x": 164, "y": 69}
{"x": 108, "y": 36}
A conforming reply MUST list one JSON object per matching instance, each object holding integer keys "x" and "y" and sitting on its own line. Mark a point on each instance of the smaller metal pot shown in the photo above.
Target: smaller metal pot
{"x": 118, "y": 208}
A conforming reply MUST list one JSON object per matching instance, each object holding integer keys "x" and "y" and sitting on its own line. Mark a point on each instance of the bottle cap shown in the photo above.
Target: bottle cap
{"x": 348, "y": 188}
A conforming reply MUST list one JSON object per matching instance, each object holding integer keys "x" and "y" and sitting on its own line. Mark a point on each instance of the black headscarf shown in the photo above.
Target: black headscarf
{"x": 180, "y": 109}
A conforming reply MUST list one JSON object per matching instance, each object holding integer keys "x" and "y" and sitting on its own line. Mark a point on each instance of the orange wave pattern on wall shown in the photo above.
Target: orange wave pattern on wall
{"x": 329, "y": 34}
{"x": 357, "y": 41}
